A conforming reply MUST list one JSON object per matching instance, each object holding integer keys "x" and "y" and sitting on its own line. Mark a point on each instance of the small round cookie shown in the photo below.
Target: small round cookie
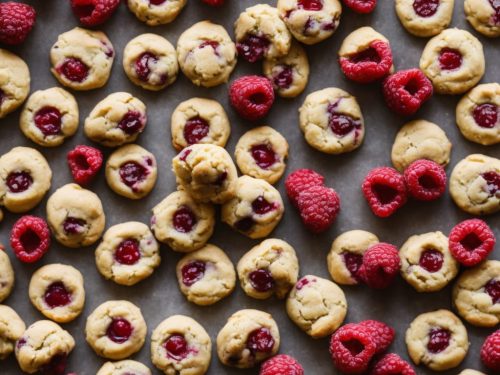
{"x": 12, "y": 328}
{"x": 156, "y": 12}
{"x": 150, "y": 61}
{"x": 117, "y": 119}
{"x": 478, "y": 114}
{"x": 206, "y": 276}
{"x": 346, "y": 255}
{"x": 75, "y": 216}
{"x": 420, "y": 139}
{"x": 484, "y": 16}
{"x": 454, "y": 61}
{"x": 49, "y": 117}
{"x": 25, "y": 177}
{"x": 424, "y": 18}
{"x": 310, "y": 22}
{"x": 180, "y": 345}
{"x": 199, "y": 120}
{"x": 6, "y": 275}
{"x": 475, "y": 184}
{"x": 331, "y": 121}
{"x": 14, "y": 82}
{"x": 116, "y": 329}
{"x": 476, "y": 294}
{"x": 125, "y": 367}
{"x": 261, "y": 153}
{"x": 470, "y": 372}
{"x": 128, "y": 253}
{"x": 437, "y": 339}
{"x": 426, "y": 262}
{"x": 248, "y": 338}
{"x": 82, "y": 59}
{"x": 182, "y": 223}
{"x": 56, "y": 290}
{"x": 206, "y": 172}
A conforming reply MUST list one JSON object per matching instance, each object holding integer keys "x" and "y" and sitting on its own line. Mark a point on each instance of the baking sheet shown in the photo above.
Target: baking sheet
{"x": 159, "y": 296}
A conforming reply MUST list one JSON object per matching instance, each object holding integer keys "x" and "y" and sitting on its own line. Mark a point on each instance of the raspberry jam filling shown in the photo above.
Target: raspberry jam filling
{"x": 17, "y": 182}
{"x": 131, "y": 123}
{"x": 184, "y": 154}
{"x": 131, "y": 173}
{"x": 486, "y": 115}
{"x": 210, "y": 43}
{"x": 431, "y": 260}
{"x": 492, "y": 288}
{"x": 74, "y": 70}
{"x": 56, "y": 366}
{"x": 261, "y": 206}
{"x": 157, "y": 2}
{"x": 284, "y": 78}
{"x": 119, "y": 330}
{"x": 303, "y": 282}
{"x": 495, "y": 4}
{"x": 385, "y": 194}
{"x": 450, "y": 59}
{"x": 263, "y": 155}
{"x": 245, "y": 224}
{"x": 260, "y": 340}
{"x": 310, "y": 4}
{"x": 193, "y": 272}
{"x": 426, "y": 8}
{"x": 195, "y": 130}
{"x": 143, "y": 66}
{"x": 48, "y": 120}
{"x": 57, "y": 295}
{"x": 184, "y": 220}
{"x": 128, "y": 252}
{"x": 176, "y": 347}
{"x": 73, "y": 225}
{"x": 439, "y": 339}
{"x": 253, "y": 47}
{"x": 492, "y": 181}
{"x": 352, "y": 262}
{"x": 341, "y": 124}
{"x": 261, "y": 280}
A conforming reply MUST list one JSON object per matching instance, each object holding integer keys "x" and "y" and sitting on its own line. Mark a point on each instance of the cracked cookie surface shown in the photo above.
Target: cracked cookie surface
{"x": 14, "y": 82}
{"x": 12, "y": 328}
{"x": 7, "y": 275}
{"x": 125, "y": 367}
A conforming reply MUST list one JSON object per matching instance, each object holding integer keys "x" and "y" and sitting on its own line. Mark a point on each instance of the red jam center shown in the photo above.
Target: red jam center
{"x": 340, "y": 124}
{"x": 131, "y": 123}
{"x": 495, "y": 4}
{"x": 128, "y": 252}
{"x": 439, "y": 339}
{"x": 310, "y": 4}
{"x": 57, "y": 295}
{"x": 263, "y": 155}
{"x": 193, "y": 272}
{"x": 30, "y": 241}
{"x": 74, "y": 70}
{"x": 352, "y": 262}
{"x": 431, "y": 260}
{"x": 132, "y": 173}
{"x": 119, "y": 330}
{"x": 253, "y": 47}
{"x": 210, "y": 43}
{"x": 260, "y": 340}
{"x": 73, "y": 225}
{"x": 184, "y": 220}
{"x": 261, "y": 206}
{"x": 426, "y": 8}
{"x": 245, "y": 224}
{"x": 195, "y": 130}
{"x": 19, "y": 181}
{"x": 48, "y": 120}
{"x": 450, "y": 59}
{"x": 157, "y": 2}
{"x": 56, "y": 366}
{"x": 176, "y": 347}
{"x": 184, "y": 154}
{"x": 261, "y": 280}
{"x": 142, "y": 65}
{"x": 486, "y": 115}
{"x": 284, "y": 78}
{"x": 368, "y": 55}
{"x": 492, "y": 288}
{"x": 303, "y": 282}
{"x": 384, "y": 193}
{"x": 492, "y": 181}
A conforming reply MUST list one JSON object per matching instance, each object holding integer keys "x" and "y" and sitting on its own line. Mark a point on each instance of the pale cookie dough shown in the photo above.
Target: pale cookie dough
{"x": 473, "y": 294}
{"x": 426, "y": 262}
{"x": 82, "y": 59}
{"x": 56, "y": 290}
{"x": 331, "y": 121}
{"x": 418, "y": 337}
{"x": 206, "y": 172}
{"x": 346, "y": 255}
{"x": 49, "y": 117}
{"x": 157, "y": 12}
{"x": 256, "y": 209}
{"x": 180, "y": 345}
{"x": 25, "y": 177}
{"x": 128, "y": 253}
{"x": 14, "y": 82}
{"x": 483, "y": 17}
{"x": 420, "y": 139}
{"x": 12, "y": 328}
{"x": 423, "y": 18}
{"x": 471, "y": 66}
{"x": 199, "y": 120}
{"x": 182, "y": 223}
{"x": 261, "y": 153}
{"x": 470, "y": 372}
{"x": 206, "y": 276}
{"x": 116, "y": 329}
{"x": 125, "y": 367}
{"x": 474, "y": 184}
{"x": 270, "y": 267}
{"x": 117, "y": 119}
{"x": 317, "y": 306}
{"x": 6, "y": 275}
{"x": 75, "y": 216}
{"x": 237, "y": 343}
{"x": 478, "y": 114}
{"x": 310, "y": 26}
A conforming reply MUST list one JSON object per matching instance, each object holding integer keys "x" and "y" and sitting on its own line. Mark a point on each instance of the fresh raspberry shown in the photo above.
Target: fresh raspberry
{"x": 252, "y": 96}
{"x": 380, "y": 266}
{"x": 30, "y": 238}
{"x": 281, "y": 364}
{"x": 84, "y": 163}
{"x": 214, "y": 3}
{"x": 392, "y": 364}
{"x": 406, "y": 91}
{"x": 361, "y": 6}
{"x": 16, "y": 22}
{"x": 425, "y": 180}
{"x": 318, "y": 206}
{"x": 471, "y": 241}
{"x": 382, "y": 334}
{"x": 300, "y": 180}
{"x": 352, "y": 348}
{"x": 94, "y": 12}
{"x": 490, "y": 351}
{"x": 385, "y": 190}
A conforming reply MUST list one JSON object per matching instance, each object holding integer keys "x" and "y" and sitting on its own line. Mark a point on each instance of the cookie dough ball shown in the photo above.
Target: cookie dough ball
{"x": 155, "y": 13}
{"x": 180, "y": 345}
{"x": 12, "y": 328}
{"x": 475, "y": 294}
{"x": 474, "y": 184}
{"x": 478, "y": 114}
{"x": 248, "y": 338}
{"x": 483, "y": 17}
{"x": 25, "y": 177}
{"x": 346, "y": 255}
{"x": 116, "y": 329}
{"x": 199, "y": 120}
{"x": 117, "y": 119}
{"x": 14, "y": 82}
{"x": 437, "y": 340}
{"x": 206, "y": 172}
{"x": 75, "y": 216}
{"x": 420, "y": 139}
{"x": 124, "y": 368}
{"x": 256, "y": 209}
{"x": 317, "y": 306}
{"x": 424, "y": 19}
{"x": 82, "y": 59}
{"x": 206, "y": 276}
{"x": 454, "y": 61}
{"x": 331, "y": 121}
{"x": 6, "y": 275}
{"x": 128, "y": 253}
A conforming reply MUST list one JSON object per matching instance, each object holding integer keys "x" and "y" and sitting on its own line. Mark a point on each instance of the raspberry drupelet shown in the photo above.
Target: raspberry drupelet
{"x": 380, "y": 266}
{"x": 30, "y": 238}
{"x": 361, "y": 6}
{"x": 392, "y": 364}
{"x": 94, "y": 12}
{"x": 382, "y": 334}
{"x": 301, "y": 180}
{"x": 281, "y": 364}
{"x": 318, "y": 206}
{"x": 385, "y": 191}
{"x": 252, "y": 96}
{"x": 84, "y": 163}
{"x": 425, "y": 180}
{"x": 490, "y": 351}
{"x": 16, "y": 22}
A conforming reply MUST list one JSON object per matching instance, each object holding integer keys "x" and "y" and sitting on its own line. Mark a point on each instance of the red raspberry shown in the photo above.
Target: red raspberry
{"x": 471, "y": 241}
{"x": 352, "y": 348}
{"x": 490, "y": 351}
{"x": 406, "y": 91}
{"x": 30, "y": 238}
{"x": 382, "y": 334}
{"x": 380, "y": 266}
{"x": 94, "y": 12}
{"x": 425, "y": 180}
{"x": 392, "y": 364}
{"x": 281, "y": 364}
{"x": 385, "y": 191}
{"x": 252, "y": 96}
{"x": 318, "y": 206}
{"x": 361, "y": 6}
{"x": 214, "y": 3}
{"x": 84, "y": 163}
{"x": 16, "y": 22}
{"x": 300, "y": 180}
